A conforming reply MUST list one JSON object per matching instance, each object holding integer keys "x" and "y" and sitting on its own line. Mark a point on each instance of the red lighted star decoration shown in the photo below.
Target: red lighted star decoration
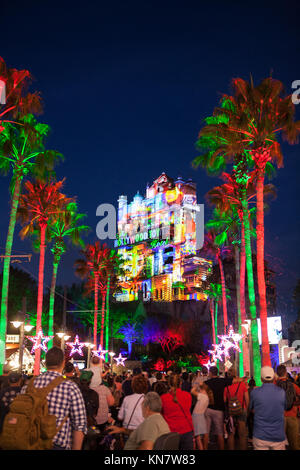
{"x": 120, "y": 360}
{"x": 100, "y": 353}
{"x": 39, "y": 341}
{"x": 76, "y": 346}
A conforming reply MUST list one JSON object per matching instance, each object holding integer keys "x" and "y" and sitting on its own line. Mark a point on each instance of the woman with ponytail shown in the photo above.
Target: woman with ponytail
{"x": 176, "y": 410}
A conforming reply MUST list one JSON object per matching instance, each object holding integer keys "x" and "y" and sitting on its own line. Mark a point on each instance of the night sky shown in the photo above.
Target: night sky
{"x": 126, "y": 86}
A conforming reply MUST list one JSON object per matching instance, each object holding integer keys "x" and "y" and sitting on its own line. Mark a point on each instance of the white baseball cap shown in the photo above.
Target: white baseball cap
{"x": 267, "y": 373}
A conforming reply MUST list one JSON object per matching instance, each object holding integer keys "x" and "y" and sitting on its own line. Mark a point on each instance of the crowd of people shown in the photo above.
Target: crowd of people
{"x": 98, "y": 410}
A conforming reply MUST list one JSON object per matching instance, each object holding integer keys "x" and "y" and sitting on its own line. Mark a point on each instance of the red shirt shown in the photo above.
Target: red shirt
{"x": 242, "y": 389}
{"x": 178, "y": 415}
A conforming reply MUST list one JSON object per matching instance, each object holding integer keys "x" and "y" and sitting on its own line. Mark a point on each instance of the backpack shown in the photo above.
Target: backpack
{"x": 28, "y": 424}
{"x": 234, "y": 405}
{"x": 290, "y": 394}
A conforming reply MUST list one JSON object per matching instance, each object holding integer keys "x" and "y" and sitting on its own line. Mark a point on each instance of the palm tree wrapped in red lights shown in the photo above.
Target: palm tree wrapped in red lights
{"x": 98, "y": 266}
{"x": 39, "y": 206}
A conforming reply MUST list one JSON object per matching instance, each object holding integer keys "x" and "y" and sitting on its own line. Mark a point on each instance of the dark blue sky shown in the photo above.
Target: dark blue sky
{"x": 126, "y": 87}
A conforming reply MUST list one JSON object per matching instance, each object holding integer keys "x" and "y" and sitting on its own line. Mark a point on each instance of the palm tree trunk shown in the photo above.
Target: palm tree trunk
{"x": 216, "y": 326}
{"x": 52, "y": 299}
{"x": 251, "y": 292}
{"x": 238, "y": 301}
{"x": 266, "y": 360}
{"x": 242, "y": 274}
{"x": 246, "y": 357}
{"x": 224, "y": 303}
{"x": 211, "y": 307}
{"x": 6, "y": 266}
{"x": 96, "y": 310}
{"x": 37, "y": 357}
{"x": 107, "y": 318}
{"x": 102, "y": 318}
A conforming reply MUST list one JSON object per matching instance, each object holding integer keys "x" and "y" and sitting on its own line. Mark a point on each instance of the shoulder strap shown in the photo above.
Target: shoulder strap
{"x": 44, "y": 390}
{"x": 134, "y": 410}
{"x": 238, "y": 388}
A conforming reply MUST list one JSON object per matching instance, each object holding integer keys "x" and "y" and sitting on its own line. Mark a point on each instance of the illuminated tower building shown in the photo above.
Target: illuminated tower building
{"x": 157, "y": 241}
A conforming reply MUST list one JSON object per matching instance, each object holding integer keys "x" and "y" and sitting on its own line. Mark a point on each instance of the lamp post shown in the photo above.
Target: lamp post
{"x": 111, "y": 354}
{"x": 20, "y": 323}
{"x": 90, "y": 347}
{"x": 63, "y": 337}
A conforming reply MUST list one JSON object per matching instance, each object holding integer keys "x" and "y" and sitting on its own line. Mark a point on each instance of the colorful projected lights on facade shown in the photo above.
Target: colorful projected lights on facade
{"x": 157, "y": 240}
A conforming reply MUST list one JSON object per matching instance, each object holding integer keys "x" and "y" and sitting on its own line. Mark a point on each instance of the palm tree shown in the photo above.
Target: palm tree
{"x": 256, "y": 116}
{"x": 214, "y": 294}
{"x": 215, "y": 249}
{"x": 90, "y": 267}
{"x": 66, "y": 226}
{"x": 18, "y": 101}
{"x": 22, "y": 150}
{"x": 38, "y": 207}
{"x": 229, "y": 217}
{"x": 219, "y": 147}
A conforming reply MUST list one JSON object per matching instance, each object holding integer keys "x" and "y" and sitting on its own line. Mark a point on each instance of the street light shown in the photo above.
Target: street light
{"x": 90, "y": 347}
{"x": 21, "y": 324}
{"x": 111, "y": 354}
{"x": 63, "y": 337}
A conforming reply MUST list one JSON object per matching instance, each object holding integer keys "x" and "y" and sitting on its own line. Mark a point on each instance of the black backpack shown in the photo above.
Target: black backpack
{"x": 290, "y": 394}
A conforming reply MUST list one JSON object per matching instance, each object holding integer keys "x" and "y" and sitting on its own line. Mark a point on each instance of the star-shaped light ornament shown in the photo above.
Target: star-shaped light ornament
{"x": 209, "y": 364}
{"x": 216, "y": 353}
{"x": 120, "y": 360}
{"x": 231, "y": 340}
{"x": 76, "y": 346}
{"x": 39, "y": 341}
{"x": 100, "y": 352}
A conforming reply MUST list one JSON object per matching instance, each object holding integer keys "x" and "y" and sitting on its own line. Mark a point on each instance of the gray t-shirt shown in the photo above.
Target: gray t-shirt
{"x": 149, "y": 430}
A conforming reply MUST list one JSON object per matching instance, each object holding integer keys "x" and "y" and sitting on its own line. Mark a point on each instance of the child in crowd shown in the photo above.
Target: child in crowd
{"x": 198, "y": 416}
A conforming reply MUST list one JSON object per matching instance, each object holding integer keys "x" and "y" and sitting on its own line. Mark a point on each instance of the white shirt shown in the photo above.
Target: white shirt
{"x": 127, "y": 408}
{"x": 97, "y": 378}
{"x": 202, "y": 403}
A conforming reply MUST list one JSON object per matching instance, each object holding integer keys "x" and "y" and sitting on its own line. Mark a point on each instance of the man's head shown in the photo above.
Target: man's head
{"x": 55, "y": 359}
{"x": 232, "y": 372}
{"x": 137, "y": 371}
{"x": 267, "y": 374}
{"x": 185, "y": 376}
{"x": 281, "y": 371}
{"x": 95, "y": 360}
{"x": 213, "y": 371}
{"x": 86, "y": 377}
{"x": 14, "y": 379}
{"x": 69, "y": 368}
{"x": 151, "y": 404}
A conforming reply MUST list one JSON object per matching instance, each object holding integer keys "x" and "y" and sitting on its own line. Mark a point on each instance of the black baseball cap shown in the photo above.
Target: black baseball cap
{"x": 14, "y": 377}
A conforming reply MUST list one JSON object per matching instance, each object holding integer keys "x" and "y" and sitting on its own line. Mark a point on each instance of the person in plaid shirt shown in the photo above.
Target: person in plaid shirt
{"x": 64, "y": 400}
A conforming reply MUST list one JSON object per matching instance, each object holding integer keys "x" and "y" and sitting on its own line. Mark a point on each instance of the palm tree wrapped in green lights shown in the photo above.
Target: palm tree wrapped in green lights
{"x": 253, "y": 119}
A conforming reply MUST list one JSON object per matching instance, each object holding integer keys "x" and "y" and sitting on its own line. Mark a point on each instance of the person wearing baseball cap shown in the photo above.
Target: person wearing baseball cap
{"x": 267, "y": 403}
{"x": 8, "y": 394}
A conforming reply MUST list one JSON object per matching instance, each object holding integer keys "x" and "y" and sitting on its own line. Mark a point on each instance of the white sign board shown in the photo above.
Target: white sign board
{"x": 274, "y": 330}
{"x": 12, "y": 338}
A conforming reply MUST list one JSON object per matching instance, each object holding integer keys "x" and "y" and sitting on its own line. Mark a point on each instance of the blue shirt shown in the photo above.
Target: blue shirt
{"x": 268, "y": 403}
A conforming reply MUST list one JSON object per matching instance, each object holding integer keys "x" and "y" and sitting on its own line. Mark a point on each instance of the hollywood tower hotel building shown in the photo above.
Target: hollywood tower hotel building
{"x": 157, "y": 241}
